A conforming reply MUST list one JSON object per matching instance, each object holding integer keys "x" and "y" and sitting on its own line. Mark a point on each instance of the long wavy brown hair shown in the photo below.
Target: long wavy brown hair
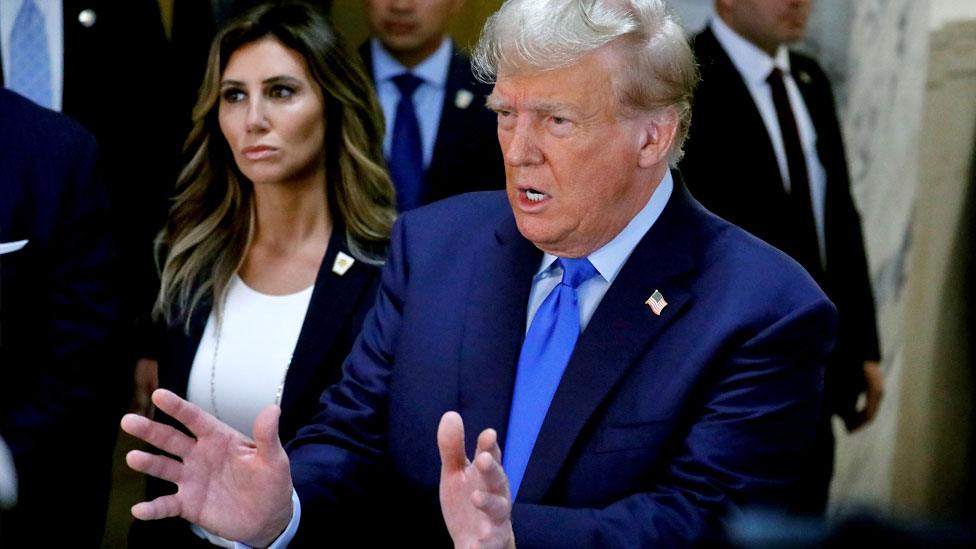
{"x": 211, "y": 221}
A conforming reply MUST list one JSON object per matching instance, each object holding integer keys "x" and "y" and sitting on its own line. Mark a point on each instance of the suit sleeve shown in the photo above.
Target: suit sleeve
{"x": 742, "y": 449}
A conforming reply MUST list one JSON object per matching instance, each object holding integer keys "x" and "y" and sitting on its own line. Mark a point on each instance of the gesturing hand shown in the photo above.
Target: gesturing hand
{"x": 475, "y": 501}
{"x": 233, "y": 486}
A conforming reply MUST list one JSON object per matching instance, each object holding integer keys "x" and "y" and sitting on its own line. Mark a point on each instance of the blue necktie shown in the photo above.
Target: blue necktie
{"x": 406, "y": 152}
{"x": 545, "y": 353}
{"x": 30, "y": 66}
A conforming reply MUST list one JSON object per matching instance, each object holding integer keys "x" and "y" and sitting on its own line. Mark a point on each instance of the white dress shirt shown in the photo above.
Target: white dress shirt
{"x": 53, "y": 13}
{"x": 754, "y": 65}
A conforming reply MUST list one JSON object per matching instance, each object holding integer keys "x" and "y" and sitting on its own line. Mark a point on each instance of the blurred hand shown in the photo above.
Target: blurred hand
{"x": 474, "y": 496}
{"x": 146, "y": 381}
{"x": 873, "y": 392}
{"x": 235, "y": 487}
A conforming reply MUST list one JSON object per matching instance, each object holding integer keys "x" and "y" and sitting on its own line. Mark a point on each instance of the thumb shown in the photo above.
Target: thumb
{"x": 450, "y": 442}
{"x": 265, "y": 431}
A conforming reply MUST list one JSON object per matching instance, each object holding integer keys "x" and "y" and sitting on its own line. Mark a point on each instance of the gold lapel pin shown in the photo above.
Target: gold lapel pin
{"x": 656, "y": 302}
{"x": 804, "y": 77}
{"x": 342, "y": 263}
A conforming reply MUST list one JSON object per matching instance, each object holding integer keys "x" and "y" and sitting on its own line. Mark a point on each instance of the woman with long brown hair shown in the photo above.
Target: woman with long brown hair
{"x": 283, "y": 213}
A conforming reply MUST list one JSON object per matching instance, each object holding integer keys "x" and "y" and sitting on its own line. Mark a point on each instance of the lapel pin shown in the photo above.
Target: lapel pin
{"x": 87, "y": 18}
{"x": 463, "y": 99}
{"x": 656, "y": 302}
{"x": 804, "y": 77}
{"x": 342, "y": 263}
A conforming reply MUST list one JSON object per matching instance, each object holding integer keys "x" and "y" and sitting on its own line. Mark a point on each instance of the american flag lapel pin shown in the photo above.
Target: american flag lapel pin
{"x": 656, "y": 302}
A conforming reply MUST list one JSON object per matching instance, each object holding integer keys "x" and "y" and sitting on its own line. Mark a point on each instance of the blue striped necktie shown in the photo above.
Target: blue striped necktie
{"x": 548, "y": 345}
{"x": 30, "y": 66}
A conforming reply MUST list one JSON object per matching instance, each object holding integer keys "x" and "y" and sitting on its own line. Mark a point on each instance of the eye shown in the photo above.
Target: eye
{"x": 506, "y": 119}
{"x": 281, "y": 91}
{"x": 233, "y": 95}
{"x": 559, "y": 125}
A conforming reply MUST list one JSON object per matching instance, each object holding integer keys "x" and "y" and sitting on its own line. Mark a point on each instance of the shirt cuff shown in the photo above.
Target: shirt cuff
{"x": 285, "y": 538}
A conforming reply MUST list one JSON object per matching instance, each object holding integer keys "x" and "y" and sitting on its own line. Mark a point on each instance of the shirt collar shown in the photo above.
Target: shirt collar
{"x": 610, "y": 258}
{"x": 432, "y": 70}
{"x": 753, "y": 63}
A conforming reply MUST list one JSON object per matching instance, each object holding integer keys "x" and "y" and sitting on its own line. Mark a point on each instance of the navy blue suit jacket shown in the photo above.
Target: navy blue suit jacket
{"x": 659, "y": 425}
{"x": 61, "y": 387}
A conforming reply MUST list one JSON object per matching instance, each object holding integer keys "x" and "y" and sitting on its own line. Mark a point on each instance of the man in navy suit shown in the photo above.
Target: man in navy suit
{"x": 458, "y": 150}
{"x": 60, "y": 382}
{"x": 629, "y": 368}
{"x": 796, "y": 197}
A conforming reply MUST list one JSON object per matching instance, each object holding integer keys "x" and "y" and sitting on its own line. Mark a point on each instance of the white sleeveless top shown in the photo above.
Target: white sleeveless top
{"x": 242, "y": 367}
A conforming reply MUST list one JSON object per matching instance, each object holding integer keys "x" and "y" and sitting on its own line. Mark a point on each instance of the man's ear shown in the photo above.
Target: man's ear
{"x": 657, "y": 136}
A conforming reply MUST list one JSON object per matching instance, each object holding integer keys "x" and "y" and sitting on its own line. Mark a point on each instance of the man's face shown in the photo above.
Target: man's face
{"x": 410, "y": 29}
{"x": 576, "y": 171}
{"x": 766, "y": 23}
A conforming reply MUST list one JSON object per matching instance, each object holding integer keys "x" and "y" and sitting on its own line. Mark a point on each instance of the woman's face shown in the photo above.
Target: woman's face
{"x": 271, "y": 113}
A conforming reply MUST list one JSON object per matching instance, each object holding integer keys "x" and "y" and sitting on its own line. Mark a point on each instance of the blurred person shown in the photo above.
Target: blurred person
{"x": 630, "y": 368}
{"x": 440, "y": 139}
{"x": 59, "y": 364}
{"x": 272, "y": 246}
{"x": 75, "y": 56}
{"x": 771, "y": 110}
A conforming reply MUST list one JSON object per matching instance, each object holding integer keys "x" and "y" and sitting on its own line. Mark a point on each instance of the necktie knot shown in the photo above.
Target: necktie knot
{"x": 576, "y": 271}
{"x": 407, "y": 83}
{"x": 775, "y": 75}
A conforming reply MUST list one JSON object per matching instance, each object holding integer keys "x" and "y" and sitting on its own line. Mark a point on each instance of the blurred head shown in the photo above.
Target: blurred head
{"x": 411, "y": 30}
{"x": 283, "y": 98}
{"x": 593, "y": 100}
{"x": 766, "y": 23}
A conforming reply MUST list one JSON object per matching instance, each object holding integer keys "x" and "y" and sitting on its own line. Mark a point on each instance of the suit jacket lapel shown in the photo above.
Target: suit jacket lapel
{"x": 333, "y": 301}
{"x": 451, "y": 124}
{"x": 621, "y": 328}
{"x": 494, "y": 327}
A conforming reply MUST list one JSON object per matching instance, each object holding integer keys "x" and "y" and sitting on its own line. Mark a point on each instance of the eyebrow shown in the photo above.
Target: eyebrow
{"x": 272, "y": 80}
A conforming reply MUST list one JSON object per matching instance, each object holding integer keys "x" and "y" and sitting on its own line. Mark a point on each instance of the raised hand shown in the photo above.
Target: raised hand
{"x": 233, "y": 486}
{"x": 475, "y": 500}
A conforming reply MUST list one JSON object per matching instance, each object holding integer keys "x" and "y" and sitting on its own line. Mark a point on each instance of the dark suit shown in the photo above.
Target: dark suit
{"x": 659, "y": 424}
{"x": 727, "y": 133}
{"x": 118, "y": 82}
{"x": 466, "y": 153}
{"x": 59, "y": 376}
{"x": 333, "y": 320}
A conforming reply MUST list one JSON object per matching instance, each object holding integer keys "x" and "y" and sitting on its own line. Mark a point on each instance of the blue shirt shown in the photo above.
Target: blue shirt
{"x": 608, "y": 260}
{"x": 428, "y": 99}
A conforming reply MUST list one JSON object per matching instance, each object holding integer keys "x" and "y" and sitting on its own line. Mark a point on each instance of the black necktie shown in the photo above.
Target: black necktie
{"x": 803, "y": 245}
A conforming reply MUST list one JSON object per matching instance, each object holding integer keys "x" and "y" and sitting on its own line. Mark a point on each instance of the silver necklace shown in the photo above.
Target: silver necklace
{"x": 218, "y": 328}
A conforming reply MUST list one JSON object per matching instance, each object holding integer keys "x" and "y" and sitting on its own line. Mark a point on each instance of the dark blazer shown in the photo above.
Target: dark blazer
{"x": 333, "y": 320}
{"x": 61, "y": 384}
{"x": 659, "y": 425}
{"x": 119, "y": 84}
{"x": 730, "y": 166}
{"x": 466, "y": 156}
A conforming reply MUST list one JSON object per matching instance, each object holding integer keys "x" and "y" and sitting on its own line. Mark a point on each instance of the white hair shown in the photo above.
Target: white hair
{"x": 657, "y": 69}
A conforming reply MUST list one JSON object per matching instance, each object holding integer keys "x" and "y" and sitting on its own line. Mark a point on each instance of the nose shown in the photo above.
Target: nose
{"x": 522, "y": 149}
{"x": 257, "y": 120}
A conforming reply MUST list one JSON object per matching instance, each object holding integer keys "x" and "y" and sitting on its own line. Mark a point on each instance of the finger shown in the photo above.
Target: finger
{"x": 492, "y": 474}
{"x": 265, "y": 432}
{"x": 159, "y": 508}
{"x": 199, "y": 423}
{"x": 488, "y": 442}
{"x": 155, "y": 465}
{"x": 450, "y": 442}
{"x": 497, "y": 508}
{"x": 161, "y": 436}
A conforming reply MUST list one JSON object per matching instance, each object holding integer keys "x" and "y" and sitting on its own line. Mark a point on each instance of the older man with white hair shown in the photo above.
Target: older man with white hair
{"x": 628, "y": 367}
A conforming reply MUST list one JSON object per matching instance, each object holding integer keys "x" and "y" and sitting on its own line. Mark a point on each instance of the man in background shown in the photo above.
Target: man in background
{"x": 440, "y": 139}
{"x": 771, "y": 111}
{"x": 59, "y": 365}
